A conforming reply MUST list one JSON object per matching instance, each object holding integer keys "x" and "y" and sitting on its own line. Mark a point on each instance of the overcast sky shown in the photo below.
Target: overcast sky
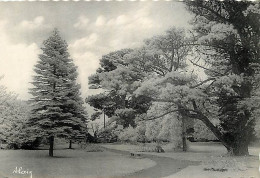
{"x": 91, "y": 29}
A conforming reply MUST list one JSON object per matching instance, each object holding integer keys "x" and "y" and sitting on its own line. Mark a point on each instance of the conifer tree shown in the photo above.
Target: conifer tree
{"x": 57, "y": 106}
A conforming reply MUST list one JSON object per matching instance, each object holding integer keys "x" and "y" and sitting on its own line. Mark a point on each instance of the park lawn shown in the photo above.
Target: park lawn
{"x": 69, "y": 163}
{"x": 199, "y": 172}
{"x": 213, "y": 159}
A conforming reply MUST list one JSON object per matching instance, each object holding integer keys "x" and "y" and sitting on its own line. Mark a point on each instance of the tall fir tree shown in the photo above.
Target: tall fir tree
{"x": 57, "y": 106}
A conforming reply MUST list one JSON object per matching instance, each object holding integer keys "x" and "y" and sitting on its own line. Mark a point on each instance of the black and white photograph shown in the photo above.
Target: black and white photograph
{"x": 135, "y": 89}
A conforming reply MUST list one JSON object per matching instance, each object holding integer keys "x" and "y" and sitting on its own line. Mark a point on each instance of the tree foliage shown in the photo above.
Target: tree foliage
{"x": 123, "y": 71}
{"x": 119, "y": 80}
{"x": 14, "y": 116}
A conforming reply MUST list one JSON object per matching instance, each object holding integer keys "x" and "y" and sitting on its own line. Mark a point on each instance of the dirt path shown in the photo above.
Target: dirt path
{"x": 164, "y": 166}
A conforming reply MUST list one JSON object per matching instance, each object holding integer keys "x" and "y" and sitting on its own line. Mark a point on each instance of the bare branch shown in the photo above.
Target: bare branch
{"x": 160, "y": 116}
{"x": 202, "y": 82}
{"x": 205, "y": 68}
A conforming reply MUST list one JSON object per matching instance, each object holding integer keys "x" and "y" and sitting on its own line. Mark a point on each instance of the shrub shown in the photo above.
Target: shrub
{"x": 129, "y": 134}
{"x": 167, "y": 129}
{"x": 31, "y": 145}
{"x": 108, "y": 134}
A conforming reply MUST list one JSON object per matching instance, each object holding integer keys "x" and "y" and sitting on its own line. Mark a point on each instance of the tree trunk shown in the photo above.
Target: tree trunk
{"x": 184, "y": 143}
{"x": 104, "y": 119}
{"x": 70, "y": 146}
{"x": 239, "y": 150}
{"x": 95, "y": 137}
{"x": 239, "y": 146}
{"x": 51, "y": 139}
{"x": 236, "y": 147}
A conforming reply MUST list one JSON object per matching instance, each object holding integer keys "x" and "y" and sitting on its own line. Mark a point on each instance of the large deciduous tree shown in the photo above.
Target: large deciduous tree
{"x": 228, "y": 35}
{"x": 57, "y": 106}
{"x": 227, "y": 46}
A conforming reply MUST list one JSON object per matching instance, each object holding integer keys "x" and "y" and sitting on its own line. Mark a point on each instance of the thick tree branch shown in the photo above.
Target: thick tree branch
{"x": 160, "y": 116}
{"x": 209, "y": 124}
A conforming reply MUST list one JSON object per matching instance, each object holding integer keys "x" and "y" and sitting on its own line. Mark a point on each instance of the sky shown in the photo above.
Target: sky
{"x": 91, "y": 29}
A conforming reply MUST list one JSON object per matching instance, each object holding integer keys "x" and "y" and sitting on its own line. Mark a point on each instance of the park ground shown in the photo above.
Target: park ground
{"x": 114, "y": 160}
{"x": 69, "y": 163}
{"x": 211, "y": 160}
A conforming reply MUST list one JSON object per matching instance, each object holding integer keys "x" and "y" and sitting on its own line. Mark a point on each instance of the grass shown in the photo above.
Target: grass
{"x": 92, "y": 148}
{"x": 215, "y": 163}
{"x": 69, "y": 163}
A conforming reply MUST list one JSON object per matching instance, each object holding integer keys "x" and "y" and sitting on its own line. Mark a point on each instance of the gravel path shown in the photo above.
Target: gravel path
{"x": 164, "y": 166}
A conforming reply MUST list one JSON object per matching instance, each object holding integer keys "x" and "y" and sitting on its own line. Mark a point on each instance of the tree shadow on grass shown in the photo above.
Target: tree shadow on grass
{"x": 61, "y": 156}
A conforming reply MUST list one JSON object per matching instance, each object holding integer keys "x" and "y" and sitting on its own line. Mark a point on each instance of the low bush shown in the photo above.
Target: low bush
{"x": 27, "y": 145}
